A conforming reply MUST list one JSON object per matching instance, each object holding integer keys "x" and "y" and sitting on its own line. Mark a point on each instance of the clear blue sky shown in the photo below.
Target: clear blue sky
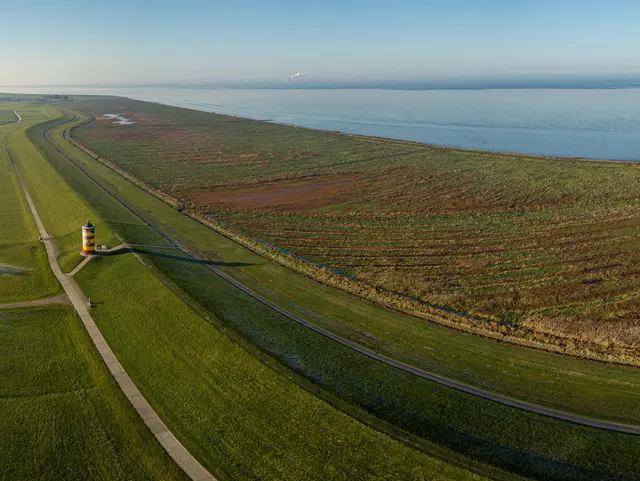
{"x": 135, "y": 41}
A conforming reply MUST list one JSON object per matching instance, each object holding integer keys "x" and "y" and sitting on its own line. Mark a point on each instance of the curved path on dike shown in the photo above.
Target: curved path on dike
{"x": 451, "y": 383}
{"x": 167, "y": 440}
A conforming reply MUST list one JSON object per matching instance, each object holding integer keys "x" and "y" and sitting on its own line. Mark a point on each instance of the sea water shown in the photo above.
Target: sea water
{"x": 590, "y": 123}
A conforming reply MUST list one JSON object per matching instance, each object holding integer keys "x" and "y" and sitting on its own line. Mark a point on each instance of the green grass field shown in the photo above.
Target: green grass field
{"x": 63, "y": 219}
{"x": 24, "y": 271}
{"x": 533, "y": 243}
{"x": 63, "y": 416}
{"x": 590, "y": 388}
{"x": 239, "y": 417}
{"x": 468, "y": 424}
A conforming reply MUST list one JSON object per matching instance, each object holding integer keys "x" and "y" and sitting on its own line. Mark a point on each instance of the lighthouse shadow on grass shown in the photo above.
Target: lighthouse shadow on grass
{"x": 156, "y": 252}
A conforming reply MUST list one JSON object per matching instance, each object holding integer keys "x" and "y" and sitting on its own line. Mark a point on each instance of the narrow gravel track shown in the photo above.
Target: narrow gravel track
{"x": 167, "y": 440}
{"x": 62, "y": 299}
{"x": 453, "y": 384}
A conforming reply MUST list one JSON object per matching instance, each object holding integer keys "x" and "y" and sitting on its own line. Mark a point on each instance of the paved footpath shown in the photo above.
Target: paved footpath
{"x": 169, "y": 442}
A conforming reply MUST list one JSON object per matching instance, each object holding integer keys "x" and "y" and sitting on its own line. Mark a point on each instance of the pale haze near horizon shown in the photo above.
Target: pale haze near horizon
{"x": 73, "y": 42}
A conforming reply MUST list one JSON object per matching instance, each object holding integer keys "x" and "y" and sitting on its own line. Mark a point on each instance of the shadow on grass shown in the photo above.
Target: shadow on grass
{"x": 152, "y": 253}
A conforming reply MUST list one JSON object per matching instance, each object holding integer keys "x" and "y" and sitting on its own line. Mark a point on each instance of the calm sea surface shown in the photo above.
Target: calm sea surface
{"x": 601, "y": 124}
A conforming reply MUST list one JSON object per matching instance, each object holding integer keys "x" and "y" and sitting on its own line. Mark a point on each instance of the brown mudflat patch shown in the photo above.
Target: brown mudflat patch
{"x": 290, "y": 197}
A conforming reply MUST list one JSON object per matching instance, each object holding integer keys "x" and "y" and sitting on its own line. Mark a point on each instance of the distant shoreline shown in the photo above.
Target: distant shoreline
{"x": 533, "y": 82}
{"x": 594, "y": 124}
{"x": 16, "y": 89}
{"x": 402, "y": 141}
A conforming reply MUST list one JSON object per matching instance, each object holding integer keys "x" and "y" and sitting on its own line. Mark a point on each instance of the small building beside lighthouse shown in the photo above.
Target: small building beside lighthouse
{"x": 88, "y": 239}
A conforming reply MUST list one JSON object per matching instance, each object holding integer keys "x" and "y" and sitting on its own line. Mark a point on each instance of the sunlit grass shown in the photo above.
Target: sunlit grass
{"x": 63, "y": 416}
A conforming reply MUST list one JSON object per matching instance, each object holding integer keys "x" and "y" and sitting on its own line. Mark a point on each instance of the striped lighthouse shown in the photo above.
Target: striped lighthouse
{"x": 88, "y": 238}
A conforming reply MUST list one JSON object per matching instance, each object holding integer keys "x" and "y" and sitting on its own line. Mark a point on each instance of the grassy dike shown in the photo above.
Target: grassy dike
{"x": 62, "y": 210}
{"x": 62, "y": 416}
{"x": 590, "y": 388}
{"x": 20, "y": 250}
{"x": 240, "y": 418}
{"x": 511, "y": 438}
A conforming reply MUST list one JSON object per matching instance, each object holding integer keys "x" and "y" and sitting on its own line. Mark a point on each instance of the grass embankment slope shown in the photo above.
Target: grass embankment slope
{"x": 62, "y": 211}
{"x": 542, "y": 245}
{"x": 7, "y": 116}
{"x": 240, "y": 418}
{"x": 589, "y": 388}
{"x": 24, "y": 270}
{"x": 428, "y": 411}
{"x": 62, "y": 414}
